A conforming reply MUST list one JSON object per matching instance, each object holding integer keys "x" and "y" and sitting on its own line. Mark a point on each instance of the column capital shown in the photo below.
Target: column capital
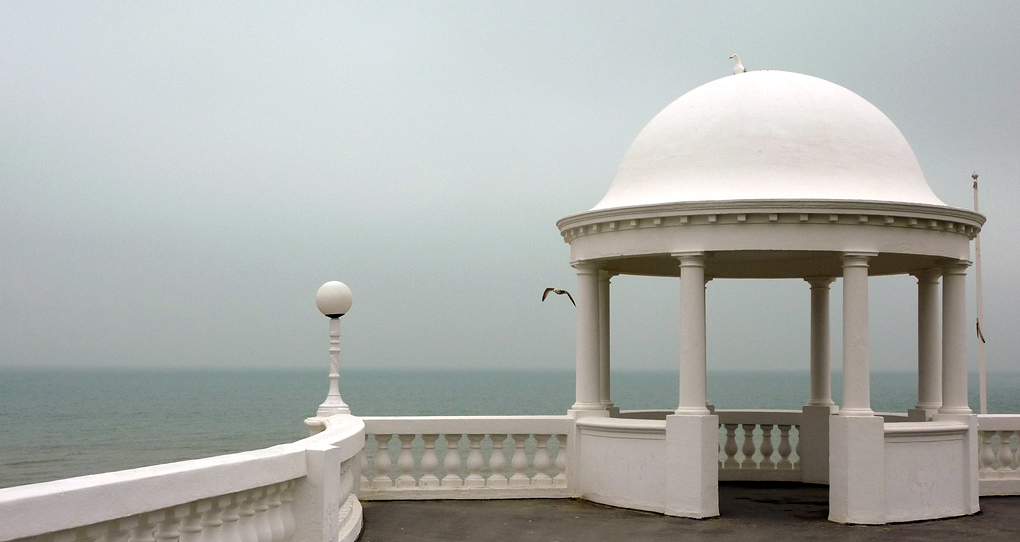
{"x": 927, "y": 276}
{"x": 857, "y": 259}
{"x": 605, "y": 275}
{"x": 690, "y": 259}
{"x": 585, "y": 267}
{"x": 820, "y": 282}
{"x": 955, "y": 267}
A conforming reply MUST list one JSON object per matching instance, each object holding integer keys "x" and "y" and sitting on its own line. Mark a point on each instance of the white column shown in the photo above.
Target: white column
{"x": 692, "y": 334}
{"x": 954, "y": 339}
{"x": 856, "y": 342}
{"x": 587, "y": 364}
{"x": 821, "y": 380}
{"x": 929, "y": 341}
{"x": 604, "y": 387}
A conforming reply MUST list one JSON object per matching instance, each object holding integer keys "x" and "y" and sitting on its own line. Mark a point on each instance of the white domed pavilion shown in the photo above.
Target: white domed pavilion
{"x": 771, "y": 174}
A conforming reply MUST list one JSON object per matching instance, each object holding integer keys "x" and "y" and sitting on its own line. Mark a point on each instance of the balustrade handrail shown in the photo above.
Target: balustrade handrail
{"x": 46, "y": 507}
{"x": 998, "y": 422}
{"x": 774, "y": 417}
{"x": 466, "y": 424}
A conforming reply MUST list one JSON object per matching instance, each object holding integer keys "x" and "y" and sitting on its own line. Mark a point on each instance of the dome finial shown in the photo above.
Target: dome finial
{"x": 739, "y": 68}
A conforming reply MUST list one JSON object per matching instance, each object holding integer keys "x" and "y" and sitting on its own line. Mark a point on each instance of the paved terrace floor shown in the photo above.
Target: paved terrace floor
{"x": 749, "y": 512}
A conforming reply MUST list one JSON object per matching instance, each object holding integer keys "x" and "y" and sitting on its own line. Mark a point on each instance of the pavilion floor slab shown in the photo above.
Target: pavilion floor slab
{"x": 749, "y": 511}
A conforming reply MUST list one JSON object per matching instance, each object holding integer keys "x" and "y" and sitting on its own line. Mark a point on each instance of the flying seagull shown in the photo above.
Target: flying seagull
{"x": 559, "y": 292}
{"x": 739, "y": 68}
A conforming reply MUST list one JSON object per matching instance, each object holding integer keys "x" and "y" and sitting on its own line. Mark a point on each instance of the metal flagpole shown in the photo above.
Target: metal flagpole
{"x": 980, "y": 311}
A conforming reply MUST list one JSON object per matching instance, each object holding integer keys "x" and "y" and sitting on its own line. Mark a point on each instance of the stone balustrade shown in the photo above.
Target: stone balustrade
{"x": 465, "y": 457}
{"x": 300, "y": 491}
{"x": 759, "y": 445}
{"x": 998, "y": 457}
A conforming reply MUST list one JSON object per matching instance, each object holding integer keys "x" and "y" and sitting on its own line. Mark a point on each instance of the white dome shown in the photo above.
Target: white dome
{"x": 769, "y": 135}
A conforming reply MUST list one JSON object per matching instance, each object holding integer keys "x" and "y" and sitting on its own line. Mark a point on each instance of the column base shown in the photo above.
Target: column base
{"x": 921, "y": 414}
{"x": 814, "y": 443}
{"x": 857, "y": 469}
{"x": 692, "y": 466}
{"x": 575, "y": 413}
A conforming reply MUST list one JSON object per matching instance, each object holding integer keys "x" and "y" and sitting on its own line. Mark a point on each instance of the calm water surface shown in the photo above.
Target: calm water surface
{"x": 60, "y": 423}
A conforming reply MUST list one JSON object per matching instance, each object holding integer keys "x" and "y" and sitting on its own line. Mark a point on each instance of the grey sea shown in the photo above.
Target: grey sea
{"x": 60, "y": 423}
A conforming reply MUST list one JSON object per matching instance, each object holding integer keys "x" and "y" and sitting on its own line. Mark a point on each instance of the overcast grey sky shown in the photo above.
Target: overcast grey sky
{"x": 177, "y": 179}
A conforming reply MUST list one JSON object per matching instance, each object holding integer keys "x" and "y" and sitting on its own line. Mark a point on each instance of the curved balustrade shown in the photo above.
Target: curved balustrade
{"x": 998, "y": 457}
{"x": 767, "y": 441}
{"x": 464, "y": 457}
{"x": 299, "y": 491}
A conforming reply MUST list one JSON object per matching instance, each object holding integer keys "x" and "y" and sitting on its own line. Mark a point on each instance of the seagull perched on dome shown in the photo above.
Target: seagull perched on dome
{"x": 739, "y": 68}
{"x": 558, "y": 292}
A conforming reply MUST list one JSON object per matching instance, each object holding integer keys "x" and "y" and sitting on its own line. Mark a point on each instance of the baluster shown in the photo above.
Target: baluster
{"x": 730, "y": 448}
{"x": 766, "y": 447}
{"x": 273, "y": 514}
{"x": 405, "y": 462}
{"x": 784, "y": 448}
{"x": 561, "y": 462}
{"x": 109, "y": 531}
{"x": 347, "y": 478}
{"x": 229, "y": 531}
{"x": 986, "y": 456}
{"x": 542, "y": 478}
{"x": 748, "y": 447}
{"x": 167, "y": 530}
{"x": 1016, "y": 458}
{"x": 364, "y": 465}
{"x": 262, "y": 528}
{"x": 382, "y": 463}
{"x": 429, "y": 462}
{"x": 452, "y": 462}
{"x": 797, "y": 449}
{"x": 1005, "y": 455}
{"x": 474, "y": 462}
{"x": 287, "y": 508}
{"x": 212, "y": 521}
{"x": 191, "y": 525}
{"x": 519, "y": 462}
{"x": 246, "y": 522}
{"x": 143, "y": 532}
{"x": 497, "y": 462}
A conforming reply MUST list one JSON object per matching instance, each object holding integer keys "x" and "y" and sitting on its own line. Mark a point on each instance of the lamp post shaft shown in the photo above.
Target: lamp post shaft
{"x": 333, "y": 403}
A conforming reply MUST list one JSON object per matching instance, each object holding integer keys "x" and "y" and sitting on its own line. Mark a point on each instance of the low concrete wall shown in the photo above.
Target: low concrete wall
{"x": 622, "y": 462}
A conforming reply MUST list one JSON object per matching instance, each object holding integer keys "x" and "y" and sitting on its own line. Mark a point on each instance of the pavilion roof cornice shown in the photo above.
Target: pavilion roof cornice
{"x": 722, "y": 212}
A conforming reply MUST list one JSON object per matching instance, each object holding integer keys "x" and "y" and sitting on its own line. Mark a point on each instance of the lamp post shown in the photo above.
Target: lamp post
{"x": 334, "y": 300}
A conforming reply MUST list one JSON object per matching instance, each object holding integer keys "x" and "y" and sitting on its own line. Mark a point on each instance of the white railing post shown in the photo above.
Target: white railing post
{"x": 273, "y": 514}
{"x": 519, "y": 462}
{"x": 748, "y": 448}
{"x": 405, "y": 462}
{"x": 287, "y": 508}
{"x": 784, "y": 448}
{"x": 451, "y": 463}
{"x": 1005, "y": 456}
{"x": 382, "y": 462}
{"x": 561, "y": 479}
{"x": 766, "y": 447}
{"x": 429, "y": 462}
{"x": 230, "y": 517}
{"x": 730, "y": 448}
{"x": 497, "y": 462}
{"x": 474, "y": 462}
{"x": 542, "y": 463}
{"x": 211, "y": 523}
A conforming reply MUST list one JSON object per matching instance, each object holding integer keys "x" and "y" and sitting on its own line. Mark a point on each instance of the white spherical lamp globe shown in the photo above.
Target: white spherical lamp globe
{"x": 334, "y": 299}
